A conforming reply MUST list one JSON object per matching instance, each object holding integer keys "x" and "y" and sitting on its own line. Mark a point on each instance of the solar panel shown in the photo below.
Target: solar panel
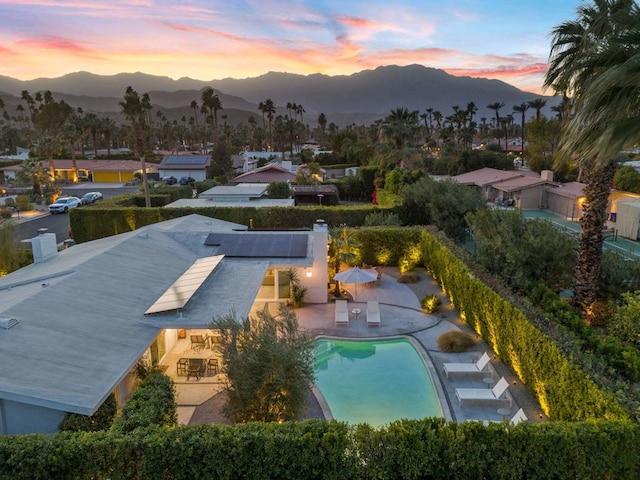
{"x": 254, "y": 244}
{"x": 178, "y": 294}
{"x": 186, "y": 159}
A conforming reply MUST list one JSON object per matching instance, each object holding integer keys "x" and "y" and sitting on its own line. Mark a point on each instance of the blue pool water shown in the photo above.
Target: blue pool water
{"x": 375, "y": 382}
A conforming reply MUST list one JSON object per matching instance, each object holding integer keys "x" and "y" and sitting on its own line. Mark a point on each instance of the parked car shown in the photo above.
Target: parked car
{"x": 90, "y": 197}
{"x": 187, "y": 180}
{"x": 63, "y": 204}
{"x": 170, "y": 180}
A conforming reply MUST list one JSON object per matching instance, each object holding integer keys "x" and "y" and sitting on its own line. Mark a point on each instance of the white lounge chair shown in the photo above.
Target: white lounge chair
{"x": 342, "y": 312}
{"x": 519, "y": 416}
{"x": 467, "y": 368}
{"x": 373, "y": 314}
{"x": 484, "y": 394}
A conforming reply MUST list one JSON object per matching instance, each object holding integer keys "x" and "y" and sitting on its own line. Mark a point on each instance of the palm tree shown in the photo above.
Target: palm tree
{"x": 496, "y": 106}
{"x": 594, "y": 61}
{"x": 322, "y": 121}
{"x": 400, "y": 127}
{"x": 211, "y": 102}
{"x": 269, "y": 109}
{"x": 135, "y": 109}
{"x": 521, "y": 109}
{"x": 538, "y": 104}
{"x": 70, "y": 133}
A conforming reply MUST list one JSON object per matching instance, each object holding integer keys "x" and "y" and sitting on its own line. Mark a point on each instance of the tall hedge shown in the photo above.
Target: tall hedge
{"x": 327, "y": 450}
{"x": 562, "y": 389}
{"x": 93, "y": 223}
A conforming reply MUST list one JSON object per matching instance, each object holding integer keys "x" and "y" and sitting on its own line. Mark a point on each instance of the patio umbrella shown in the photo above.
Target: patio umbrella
{"x": 356, "y": 275}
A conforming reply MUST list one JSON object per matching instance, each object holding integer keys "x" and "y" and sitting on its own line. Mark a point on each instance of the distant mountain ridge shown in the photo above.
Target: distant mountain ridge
{"x": 359, "y": 98}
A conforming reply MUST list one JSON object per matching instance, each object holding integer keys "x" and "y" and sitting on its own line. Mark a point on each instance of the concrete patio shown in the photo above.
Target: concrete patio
{"x": 400, "y": 315}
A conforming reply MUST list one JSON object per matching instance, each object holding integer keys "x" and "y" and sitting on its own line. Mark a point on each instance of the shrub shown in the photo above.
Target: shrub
{"x": 153, "y": 403}
{"x": 101, "y": 420}
{"x": 409, "y": 277}
{"x": 10, "y": 202}
{"x": 431, "y": 304}
{"x": 5, "y": 213}
{"x": 24, "y": 203}
{"x": 455, "y": 341}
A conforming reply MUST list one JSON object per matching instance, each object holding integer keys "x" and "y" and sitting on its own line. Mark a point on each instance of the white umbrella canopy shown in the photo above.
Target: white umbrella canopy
{"x": 356, "y": 275}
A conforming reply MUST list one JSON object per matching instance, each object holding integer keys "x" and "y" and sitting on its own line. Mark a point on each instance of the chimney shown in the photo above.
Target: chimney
{"x": 546, "y": 175}
{"x": 44, "y": 246}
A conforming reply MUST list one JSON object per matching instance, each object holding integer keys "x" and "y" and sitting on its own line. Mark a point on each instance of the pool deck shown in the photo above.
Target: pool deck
{"x": 401, "y": 315}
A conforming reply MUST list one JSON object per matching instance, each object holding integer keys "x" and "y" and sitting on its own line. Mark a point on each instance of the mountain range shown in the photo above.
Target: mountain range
{"x": 360, "y": 98}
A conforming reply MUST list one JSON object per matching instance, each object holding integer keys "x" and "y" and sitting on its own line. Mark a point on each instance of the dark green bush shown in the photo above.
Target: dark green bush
{"x": 407, "y": 449}
{"x": 101, "y": 420}
{"x": 152, "y": 403}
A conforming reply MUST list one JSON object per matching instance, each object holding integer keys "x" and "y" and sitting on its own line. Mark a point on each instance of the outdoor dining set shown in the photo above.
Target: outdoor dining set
{"x": 198, "y": 361}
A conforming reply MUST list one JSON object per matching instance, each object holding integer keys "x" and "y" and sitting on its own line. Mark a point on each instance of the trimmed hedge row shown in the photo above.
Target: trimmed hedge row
{"x": 389, "y": 246}
{"x": 562, "y": 389}
{"x": 93, "y": 223}
{"x": 330, "y": 450}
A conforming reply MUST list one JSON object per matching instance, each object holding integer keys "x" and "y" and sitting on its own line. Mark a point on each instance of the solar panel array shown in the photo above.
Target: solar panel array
{"x": 186, "y": 159}
{"x": 254, "y": 244}
{"x": 178, "y": 294}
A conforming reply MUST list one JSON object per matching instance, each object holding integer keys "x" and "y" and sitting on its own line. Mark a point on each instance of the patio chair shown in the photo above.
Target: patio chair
{"x": 519, "y": 416}
{"x": 467, "y": 368}
{"x": 492, "y": 395}
{"x": 196, "y": 368}
{"x": 342, "y": 312}
{"x": 182, "y": 366}
{"x": 373, "y": 314}
{"x": 212, "y": 366}
{"x": 198, "y": 342}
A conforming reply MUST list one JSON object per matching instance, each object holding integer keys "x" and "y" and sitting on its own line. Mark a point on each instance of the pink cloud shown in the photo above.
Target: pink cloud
{"x": 52, "y": 42}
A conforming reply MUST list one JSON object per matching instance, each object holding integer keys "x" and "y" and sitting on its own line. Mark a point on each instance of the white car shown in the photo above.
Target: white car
{"x": 63, "y": 204}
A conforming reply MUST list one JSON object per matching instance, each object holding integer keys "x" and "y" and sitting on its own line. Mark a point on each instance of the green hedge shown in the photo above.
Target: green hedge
{"x": 93, "y": 223}
{"x": 416, "y": 449}
{"x": 562, "y": 389}
{"x": 152, "y": 403}
{"x": 389, "y": 246}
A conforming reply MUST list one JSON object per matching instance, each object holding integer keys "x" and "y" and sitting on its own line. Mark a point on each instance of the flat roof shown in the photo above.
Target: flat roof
{"x": 81, "y": 314}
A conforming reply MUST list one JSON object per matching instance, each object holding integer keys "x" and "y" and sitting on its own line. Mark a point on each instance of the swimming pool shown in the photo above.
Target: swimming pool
{"x": 374, "y": 381}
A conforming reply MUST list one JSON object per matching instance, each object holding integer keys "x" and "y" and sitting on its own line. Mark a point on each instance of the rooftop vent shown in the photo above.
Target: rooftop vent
{"x": 7, "y": 323}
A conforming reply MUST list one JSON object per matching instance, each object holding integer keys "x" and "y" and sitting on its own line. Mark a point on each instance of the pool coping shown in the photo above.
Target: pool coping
{"x": 426, "y": 359}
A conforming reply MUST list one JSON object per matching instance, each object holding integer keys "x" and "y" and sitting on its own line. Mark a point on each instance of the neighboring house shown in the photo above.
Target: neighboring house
{"x": 315, "y": 194}
{"x": 565, "y": 200}
{"x": 194, "y": 166}
{"x": 273, "y": 172}
{"x": 522, "y": 189}
{"x": 242, "y": 195}
{"x": 107, "y": 171}
{"x": 75, "y": 322}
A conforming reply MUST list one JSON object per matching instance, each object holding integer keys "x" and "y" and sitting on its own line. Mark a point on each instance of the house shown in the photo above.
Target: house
{"x": 315, "y": 194}
{"x": 565, "y": 200}
{"x": 272, "y": 172}
{"x": 194, "y": 166}
{"x": 522, "y": 189}
{"x": 241, "y": 195}
{"x": 75, "y": 322}
{"x": 107, "y": 171}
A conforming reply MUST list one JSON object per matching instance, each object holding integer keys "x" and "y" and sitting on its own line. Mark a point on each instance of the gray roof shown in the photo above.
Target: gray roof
{"x": 81, "y": 313}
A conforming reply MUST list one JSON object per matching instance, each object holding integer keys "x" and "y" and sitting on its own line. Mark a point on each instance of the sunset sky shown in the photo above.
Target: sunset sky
{"x": 507, "y": 40}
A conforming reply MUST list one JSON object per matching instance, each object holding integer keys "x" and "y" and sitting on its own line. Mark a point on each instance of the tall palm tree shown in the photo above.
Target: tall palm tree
{"x": 135, "y": 109}
{"x": 211, "y": 102}
{"x": 269, "y": 109}
{"x": 322, "y": 122}
{"x": 496, "y": 106}
{"x": 594, "y": 60}
{"x": 538, "y": 104}
{"x": 400, "y": 127}
{"x": 521, "y": 109}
